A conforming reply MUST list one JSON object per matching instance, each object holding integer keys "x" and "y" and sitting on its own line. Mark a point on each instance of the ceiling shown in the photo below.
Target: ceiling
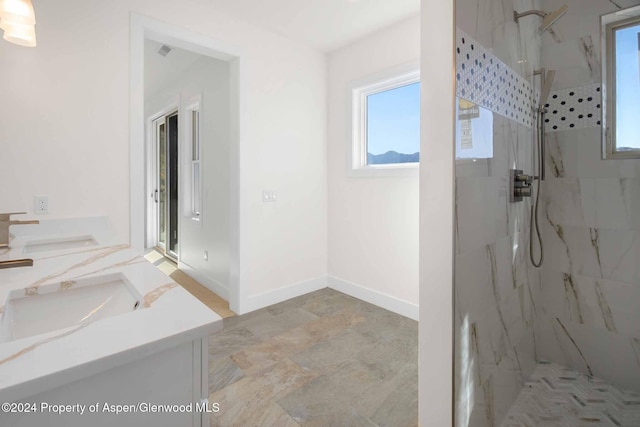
{"x": 159, "y": 70}
{"x": 323, "y": 24}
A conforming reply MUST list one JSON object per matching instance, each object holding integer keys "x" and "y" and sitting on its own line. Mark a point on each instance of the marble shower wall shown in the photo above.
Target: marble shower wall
{"x": 589, "y": 314}
{"x": 496, "y": 290}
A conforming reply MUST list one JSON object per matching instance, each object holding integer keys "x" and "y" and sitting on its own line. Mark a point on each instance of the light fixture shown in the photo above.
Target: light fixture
{"x": 23, "y": 35}
{"x": 18, "y": 19}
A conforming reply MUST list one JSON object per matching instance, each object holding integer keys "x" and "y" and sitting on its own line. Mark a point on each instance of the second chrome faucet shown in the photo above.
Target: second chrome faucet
{"x": 6, "y": 222}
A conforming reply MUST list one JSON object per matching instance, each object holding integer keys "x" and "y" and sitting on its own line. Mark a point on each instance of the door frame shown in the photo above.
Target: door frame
{"x": 141, "y": 28}
{"x": 151, "y": 155}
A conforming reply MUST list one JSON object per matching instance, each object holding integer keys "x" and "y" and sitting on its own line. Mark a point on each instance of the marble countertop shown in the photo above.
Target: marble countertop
{"x": 168, "y": 316}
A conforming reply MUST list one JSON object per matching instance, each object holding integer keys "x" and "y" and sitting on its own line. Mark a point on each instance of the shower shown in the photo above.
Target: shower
{"x": 548, "y": 19}
{"x": 524, "y": 186}
{"x": 542, "y": 305}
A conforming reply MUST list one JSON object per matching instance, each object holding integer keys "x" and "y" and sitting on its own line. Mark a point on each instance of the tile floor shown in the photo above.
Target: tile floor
{"x": 555, "y": 396}
{"x": 322, "y": 359}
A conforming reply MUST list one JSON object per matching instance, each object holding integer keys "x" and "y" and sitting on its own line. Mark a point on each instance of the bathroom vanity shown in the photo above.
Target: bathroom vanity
{"x": 93, "y": 334}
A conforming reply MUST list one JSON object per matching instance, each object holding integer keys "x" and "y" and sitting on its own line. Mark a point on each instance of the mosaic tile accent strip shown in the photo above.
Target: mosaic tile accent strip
{"x": 575, "y": 108}
{"x": 558, "y": 397}
{"x": 485, "y": 80}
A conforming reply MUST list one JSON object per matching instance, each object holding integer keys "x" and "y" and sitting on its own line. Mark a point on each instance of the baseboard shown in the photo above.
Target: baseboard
{"x": 266, "y": 299}
{"x": 213, "y": 285}
{"x": 396, "y": 305}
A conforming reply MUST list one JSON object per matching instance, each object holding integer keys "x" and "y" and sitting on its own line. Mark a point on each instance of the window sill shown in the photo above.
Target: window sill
{"x": 395, "y": 170}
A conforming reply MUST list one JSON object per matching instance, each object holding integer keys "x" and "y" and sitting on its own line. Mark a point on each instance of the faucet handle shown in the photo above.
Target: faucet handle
{"x": 7, "y": 216}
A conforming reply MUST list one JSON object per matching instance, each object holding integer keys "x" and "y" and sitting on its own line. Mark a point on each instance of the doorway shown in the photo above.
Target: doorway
{"x": 166, "y": 194}
{"x": 143, "y": 221}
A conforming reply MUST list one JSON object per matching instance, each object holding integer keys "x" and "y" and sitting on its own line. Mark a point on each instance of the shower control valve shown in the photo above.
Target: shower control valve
{"x": 519, "y": 185}
{"x": 521, "y": 178}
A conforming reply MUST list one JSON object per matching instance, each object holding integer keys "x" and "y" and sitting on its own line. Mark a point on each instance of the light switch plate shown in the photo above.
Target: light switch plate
{"x": 269, "y": 196}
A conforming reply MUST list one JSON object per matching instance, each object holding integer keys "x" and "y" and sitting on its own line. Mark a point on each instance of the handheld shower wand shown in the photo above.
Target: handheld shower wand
{"x": 546, "y": 83}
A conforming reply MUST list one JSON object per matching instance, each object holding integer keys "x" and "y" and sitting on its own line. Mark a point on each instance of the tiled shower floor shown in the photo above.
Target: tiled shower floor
{"x": 555, "y": 396}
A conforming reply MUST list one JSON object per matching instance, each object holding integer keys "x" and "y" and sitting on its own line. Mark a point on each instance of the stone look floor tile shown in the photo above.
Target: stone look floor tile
{"x": 245, "y": 402}
{"x": 323, "y": 359}
{"x": 260, "y": 356}
{"x": 274, "y": 415}
{"x": 330, "y": 326}
{"x": 222, "y": 373}
{"x": 388, "y": 356}
{"x": 248, "y": 319}
{"x": 342, "y": 418}
{"x": 400, "y": 408}
{"x": 279, "y": 323}
{"x": 330, "y": 303}
{"x": 299, "y": 302}
{"x": 382, "y": 398}
{"x": 228, "y": 342}
{"x": 326, "y": 356}
{"x": 317, "y": 399}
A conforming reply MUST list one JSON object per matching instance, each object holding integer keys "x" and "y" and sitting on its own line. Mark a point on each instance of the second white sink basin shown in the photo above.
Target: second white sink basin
{"x": 58, "y": 243}
{"x": 66, "y": 304}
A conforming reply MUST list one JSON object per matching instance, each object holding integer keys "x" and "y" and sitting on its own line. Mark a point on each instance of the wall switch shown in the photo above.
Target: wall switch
{"x": 42, "y": 204}
{"x": 269, "y": 196}
{"x": 206, "y": 255}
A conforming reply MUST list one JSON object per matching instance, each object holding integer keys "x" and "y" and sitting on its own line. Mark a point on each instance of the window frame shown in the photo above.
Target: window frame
{"x": 610, "y": 23}
{"x": 359, "y": 90}
{"x": 194, "y": 105}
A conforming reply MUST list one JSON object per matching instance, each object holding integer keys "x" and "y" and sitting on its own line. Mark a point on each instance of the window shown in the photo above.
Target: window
{"x": 621, "y": 84}
{"x": 386, "y": 123}
{"x": 193, "y": 165}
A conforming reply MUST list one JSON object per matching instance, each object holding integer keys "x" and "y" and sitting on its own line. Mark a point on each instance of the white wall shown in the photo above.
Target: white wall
{"x": 210, "y": 79}
{"x": 436, "y": 213}
{"x": 64, "y": 128}
{"x": 373, "y": 221}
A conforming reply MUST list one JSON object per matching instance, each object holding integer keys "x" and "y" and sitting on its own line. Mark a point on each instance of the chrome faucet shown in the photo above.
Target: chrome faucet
{"x": 5, "y": 223}
{"x": 13, "y": 263}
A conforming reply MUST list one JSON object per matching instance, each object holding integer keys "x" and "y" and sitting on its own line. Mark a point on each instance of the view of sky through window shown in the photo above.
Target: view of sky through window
{"x": 393, "y": 125}
{"x": 627, "y": 42}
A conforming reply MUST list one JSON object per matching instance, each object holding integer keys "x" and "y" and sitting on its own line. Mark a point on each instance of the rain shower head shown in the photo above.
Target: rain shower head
{"x": 552, "y": 18}
{"x": 548, "y": 19}
{"x": 547, "y": 82}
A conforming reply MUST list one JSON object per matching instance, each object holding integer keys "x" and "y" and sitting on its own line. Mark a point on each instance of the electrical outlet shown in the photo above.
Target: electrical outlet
{"x": 42, "y": 204}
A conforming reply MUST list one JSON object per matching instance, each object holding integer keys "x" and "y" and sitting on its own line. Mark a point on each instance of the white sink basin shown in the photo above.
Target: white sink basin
{"x": 54, "y": 244}
{"x": 66, "y": 304}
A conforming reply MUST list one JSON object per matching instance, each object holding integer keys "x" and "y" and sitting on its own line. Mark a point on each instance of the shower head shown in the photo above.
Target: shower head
{"x": 548, "y": 19}
{"x": 547, "y": 82}
{"x": 552, "y": 18}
